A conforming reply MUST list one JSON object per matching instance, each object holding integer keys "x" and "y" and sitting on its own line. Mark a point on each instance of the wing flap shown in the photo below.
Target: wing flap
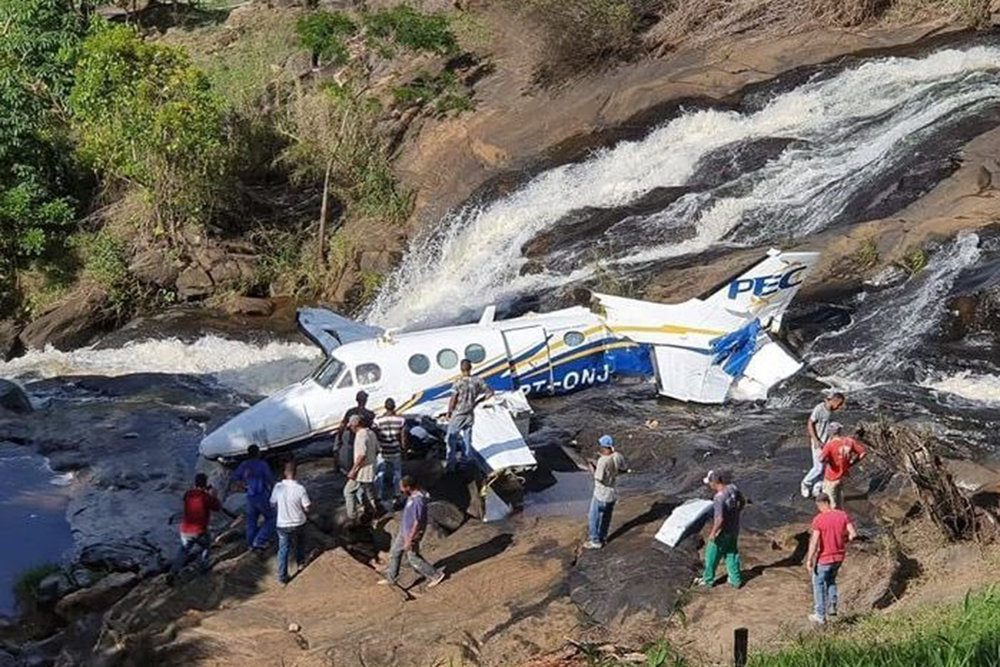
{"x": 328, "y": 330}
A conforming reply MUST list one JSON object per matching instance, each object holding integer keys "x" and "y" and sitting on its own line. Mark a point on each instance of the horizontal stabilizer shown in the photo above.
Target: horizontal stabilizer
{"x": 329, "y": 330}
{"x": 684, "y": 520}
{"x": 770, "y": 365}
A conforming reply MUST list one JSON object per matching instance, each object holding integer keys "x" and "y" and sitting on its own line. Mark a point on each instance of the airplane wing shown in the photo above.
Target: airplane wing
{"x": 329, "y": 330}
{"x": 721, "y": 345}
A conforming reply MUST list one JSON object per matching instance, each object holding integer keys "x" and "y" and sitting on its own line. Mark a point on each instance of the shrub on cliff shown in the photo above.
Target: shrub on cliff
{"x": 39, "y": 189}
{"x": 323, "y": 33}
{"x": 147, "y": 117}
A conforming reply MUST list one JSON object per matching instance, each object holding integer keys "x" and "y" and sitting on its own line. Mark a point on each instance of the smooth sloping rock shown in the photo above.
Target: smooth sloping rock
{"x": 9, "y": 343}
{"x": 13, "y": 398}
{"x": 98, "y": 597}
{"x": 73, "y": 323}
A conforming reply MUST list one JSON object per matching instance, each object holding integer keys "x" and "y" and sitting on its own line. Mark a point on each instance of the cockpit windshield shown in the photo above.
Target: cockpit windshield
{"x": 326, "y": 375}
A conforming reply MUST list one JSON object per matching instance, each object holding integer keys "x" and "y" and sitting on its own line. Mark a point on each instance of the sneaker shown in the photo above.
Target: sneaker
{"x": 818, "y": 620}
{"x": 832, "y": 612}
{"x": 806, "y": 491}
{"x": 385, "y": 582}
{"x": 700, "y": 581}
{"x": 591, "y": 544}
{"x": 437, "y": 580}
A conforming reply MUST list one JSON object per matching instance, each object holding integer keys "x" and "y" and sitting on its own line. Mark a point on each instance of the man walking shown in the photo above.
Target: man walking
{"x": 838, "y": 456}
{"x": 609, "y": 464}
{"x": 407, "y": 541}
{"x": 392, "y": 444}
{"x": 292, "y": 504}
{"x": 817, "y": 428}
{"x": 467, "y": 392}
{"x": 343, "y": 439}
{"x": 831, "y": 531}
{"x": 360, "y": 487}
{"x": 723, "y": 539}
{"x": 199, "y": 503}
{"x": 257, "y": 480}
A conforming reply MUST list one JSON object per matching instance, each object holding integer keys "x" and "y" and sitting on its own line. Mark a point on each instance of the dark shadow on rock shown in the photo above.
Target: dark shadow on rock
{"x": 468, "y": 557}
{"x": 795, "y": 559}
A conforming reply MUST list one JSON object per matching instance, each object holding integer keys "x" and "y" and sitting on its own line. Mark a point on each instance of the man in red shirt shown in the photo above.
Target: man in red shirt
{"x": 839, "y": 455}
{"x": 199, "y": 503}
{"x": 831, "y": 531}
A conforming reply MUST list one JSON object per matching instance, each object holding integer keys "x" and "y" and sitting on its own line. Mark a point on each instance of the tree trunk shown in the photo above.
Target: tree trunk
{"x": 322, "y": 214}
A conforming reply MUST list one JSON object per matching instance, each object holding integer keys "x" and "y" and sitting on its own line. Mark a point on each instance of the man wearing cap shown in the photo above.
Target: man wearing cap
{"x": 343, "y": 439}
{"x": 609, "y": 464}
{"x": 467, "y": 392}
{"x": 831, "y": 531}
{"x": 723, "y": 539}
{"x": 838, "y": 455}
{"x": 818, "y": 430}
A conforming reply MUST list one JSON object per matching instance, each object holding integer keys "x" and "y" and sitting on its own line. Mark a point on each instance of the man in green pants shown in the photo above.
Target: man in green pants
{"x": 722, "y": 540}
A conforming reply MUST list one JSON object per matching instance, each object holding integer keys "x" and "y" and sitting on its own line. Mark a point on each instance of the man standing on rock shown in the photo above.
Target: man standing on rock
{"x": 344, "y": 437}
{"x": 292, "y": 504}
{"x": 609, "y": 464}
{"x": 831, "y": 531}
{"x": 817, "y": 428}
{"x": 199, "y": 503}
{"x": 392, "y": 439}
{"x": 723, "y": 539}
{"x": 257, "y": 479}
{"x": 359, "y": 492}
{"x": 467, "y": 392}
{"x": 838, "y": 455}
{"x": 411, "y": 531}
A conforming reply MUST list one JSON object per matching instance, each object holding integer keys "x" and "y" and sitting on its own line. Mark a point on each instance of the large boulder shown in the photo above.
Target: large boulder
{"x": 154, "y": 267}
{"x": 74, "y": 322}
{"x": 13, "y": 398}
{"x": 10, "y": 346}
{"x": 98, "y": 597}
{"x": 193, "y": 283}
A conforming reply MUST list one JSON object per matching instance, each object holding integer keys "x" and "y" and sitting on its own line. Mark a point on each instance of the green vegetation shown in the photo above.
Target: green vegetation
{"x": 406, "y": 27}
{"x": 914, "y": 261}
{"x": 323, "y": 33}
{"x": 146, "y": 116}
{"x": 26, "y": 584}
{"x": 866, "y": 256}
{"x": 963, "y": 635}
{"x": 443, "y": 92}
{"x": 105, "y": 260}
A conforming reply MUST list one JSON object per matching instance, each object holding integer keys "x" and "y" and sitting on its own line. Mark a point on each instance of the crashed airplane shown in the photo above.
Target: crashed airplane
{"x": 710, "y": 349}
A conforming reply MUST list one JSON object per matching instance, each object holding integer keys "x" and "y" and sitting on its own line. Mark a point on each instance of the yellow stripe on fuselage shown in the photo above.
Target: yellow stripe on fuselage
{"x": 669, "y": 329}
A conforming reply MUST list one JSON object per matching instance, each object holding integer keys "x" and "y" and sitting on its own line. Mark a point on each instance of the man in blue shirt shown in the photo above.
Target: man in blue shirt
{"x": 411, "y": 531}
{"x": 257, "y": 480}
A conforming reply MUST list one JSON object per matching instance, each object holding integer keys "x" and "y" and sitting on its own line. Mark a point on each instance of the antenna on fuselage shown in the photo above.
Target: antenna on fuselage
{"x": 489, "y": 313}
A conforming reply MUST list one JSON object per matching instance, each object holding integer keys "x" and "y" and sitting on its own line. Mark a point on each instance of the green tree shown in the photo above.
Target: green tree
{"x": 38, "y": 186}
{"x": 323, "y": 33}
{"x": 146, "y": 116}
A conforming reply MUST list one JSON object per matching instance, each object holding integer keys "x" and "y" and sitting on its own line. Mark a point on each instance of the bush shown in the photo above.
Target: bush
{"x": 404, "y": 26}
{"x": 26, "y": 584}
{"x": 146, "y": 116}
{"x": 585, "y": 34}
{"x": 443, "y": 90}
{"x": 105, "y": 261}
{"x": 323, "y": 32}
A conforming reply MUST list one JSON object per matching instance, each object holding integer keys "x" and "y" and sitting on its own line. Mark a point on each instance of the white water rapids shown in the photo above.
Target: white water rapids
{"x": 848, "y": 129}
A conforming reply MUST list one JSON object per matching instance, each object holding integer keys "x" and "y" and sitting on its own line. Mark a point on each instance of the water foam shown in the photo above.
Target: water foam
{"x": 244, "y": 367}
{"x": 969, "y": 385}
{"x": 852, "y": 126}
{"x": 889, "y": 326}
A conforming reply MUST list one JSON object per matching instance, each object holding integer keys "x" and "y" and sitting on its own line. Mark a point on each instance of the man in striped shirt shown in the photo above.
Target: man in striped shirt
{"x": 392, "y": 444}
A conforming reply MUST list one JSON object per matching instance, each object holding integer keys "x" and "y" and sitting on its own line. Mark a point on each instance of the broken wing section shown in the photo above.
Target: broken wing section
{"x": 329, "y": 330}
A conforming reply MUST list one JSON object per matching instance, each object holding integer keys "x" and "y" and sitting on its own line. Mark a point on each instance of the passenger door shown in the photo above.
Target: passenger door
{"x": 528, "y": 355}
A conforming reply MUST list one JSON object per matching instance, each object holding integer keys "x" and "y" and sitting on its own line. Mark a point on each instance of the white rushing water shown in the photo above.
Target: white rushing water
{"x": 244, "y": 367}
{"x": 889, "y": 326}
{"x": 849, "y": 128}
{"x": 972, "y": 386}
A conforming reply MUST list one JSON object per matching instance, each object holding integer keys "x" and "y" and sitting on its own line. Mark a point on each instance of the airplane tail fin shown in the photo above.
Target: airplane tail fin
{"x": 766, "y": 288}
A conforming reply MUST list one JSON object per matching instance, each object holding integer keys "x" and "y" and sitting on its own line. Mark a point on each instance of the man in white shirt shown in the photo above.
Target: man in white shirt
{"x": 292, "y": 504}
{"x": 817, "y": 428}
{"x": 359, "y": 492}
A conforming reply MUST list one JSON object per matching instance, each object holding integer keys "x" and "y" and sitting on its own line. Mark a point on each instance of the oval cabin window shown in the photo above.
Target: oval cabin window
{"x": 447, "y": 358}
{"x": 368, "y": 373}
{"x": 475, "y": 353}
{"x": 419, "y": 364}
{"x": 573, "y": 338}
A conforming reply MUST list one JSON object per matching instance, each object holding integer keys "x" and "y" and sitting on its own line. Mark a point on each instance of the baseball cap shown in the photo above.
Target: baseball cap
{"x": 834, "y": 428}
{"x": 606, "y": 441}
{"x": 720, "y": 476}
